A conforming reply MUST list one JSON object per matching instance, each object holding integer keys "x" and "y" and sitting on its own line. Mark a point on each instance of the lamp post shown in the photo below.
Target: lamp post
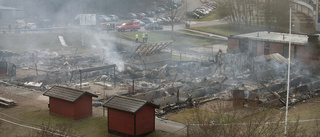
{"x": 288, "y": 80}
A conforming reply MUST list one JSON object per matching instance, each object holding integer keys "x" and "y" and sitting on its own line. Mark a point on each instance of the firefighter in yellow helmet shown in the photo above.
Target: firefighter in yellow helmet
{"x": 143, "y": 37}
{"x": 137, "y": 38}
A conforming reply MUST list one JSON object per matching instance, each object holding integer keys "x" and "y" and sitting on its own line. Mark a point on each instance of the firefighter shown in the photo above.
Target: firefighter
{"x": 108, "y": 27}
{"x": 137, "y": 38}
{"x": 146, "y": 36}
{"x": 143, "y": 37}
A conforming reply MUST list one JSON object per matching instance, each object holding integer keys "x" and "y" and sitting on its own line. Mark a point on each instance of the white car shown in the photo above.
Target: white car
{"x": 31, "y": 26}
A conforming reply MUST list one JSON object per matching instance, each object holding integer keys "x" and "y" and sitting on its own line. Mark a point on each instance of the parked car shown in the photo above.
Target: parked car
{"x": 113, "y": 17}
{"x": 103, "y": 18}
{"x": 160, "y": 10}
{"x": 193, "y": 14}
{"x": 147, "y": 20}
{"x": 153, "y": 26}
{"x": 164, "y": 20}
{"x": 45, "y": 23}
{"x": 200, "y": 12}
{"x": 141, "y": 15}
{"x": 150, "y": 13}
{"x": 137, "y": 20}
{"x": 130, "y": 25}
{"x": 31, "y": 26}
{"x": 130, "y": 16}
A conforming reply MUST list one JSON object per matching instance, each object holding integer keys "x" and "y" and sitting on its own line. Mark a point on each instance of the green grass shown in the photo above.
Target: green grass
{"x": 190, "y": 115}
{"x": 178, "y": 39}
{"x": 24, "y": 42}
{"x": 210, "y": 17}
{"x": 89, "y": 127}
{"x": 33, "y": 116}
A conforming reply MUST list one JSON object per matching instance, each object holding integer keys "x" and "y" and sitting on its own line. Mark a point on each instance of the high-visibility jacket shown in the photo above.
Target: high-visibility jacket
{"x": 143, "y": 36}
{"x": 137, "y": 36}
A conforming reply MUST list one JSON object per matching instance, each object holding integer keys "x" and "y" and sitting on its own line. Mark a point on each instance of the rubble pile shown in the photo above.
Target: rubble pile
{"x": 51, "y": 68}
{"x": 182, "y": 83}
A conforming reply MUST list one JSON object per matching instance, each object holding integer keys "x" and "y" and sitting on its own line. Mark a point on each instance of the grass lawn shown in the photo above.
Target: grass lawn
{"x": 20, "y": 43}
{"x": 178, "y": 38}
{"x": 89, "y": 127}
{"x": 209, "y": 17}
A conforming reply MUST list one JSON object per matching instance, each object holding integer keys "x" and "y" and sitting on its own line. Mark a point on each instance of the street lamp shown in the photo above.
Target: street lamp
{"x": 104, "y": 77}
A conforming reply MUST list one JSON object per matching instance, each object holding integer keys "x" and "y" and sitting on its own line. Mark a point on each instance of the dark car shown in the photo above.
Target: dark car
{"x": 150, "y": 13}
{"x": 193, "y": 15}
{"x": 45, "y": 23}
{"x": 200, "y": 13}
{"x": 113, "y": 17}
{"x": 153, "y": 26}
{"x": 103, "y": 18}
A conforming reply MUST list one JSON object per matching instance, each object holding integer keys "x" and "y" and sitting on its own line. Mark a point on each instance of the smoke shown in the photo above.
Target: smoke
{"x": 109, "y": 52}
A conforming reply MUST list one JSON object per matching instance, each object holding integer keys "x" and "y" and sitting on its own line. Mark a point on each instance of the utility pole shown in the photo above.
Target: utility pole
{"x": 288, "y": 82}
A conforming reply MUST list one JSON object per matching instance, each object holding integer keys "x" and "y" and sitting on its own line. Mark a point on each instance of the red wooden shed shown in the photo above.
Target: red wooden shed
{"x": 130, "y": 116}
{"x": 68, "y": 102}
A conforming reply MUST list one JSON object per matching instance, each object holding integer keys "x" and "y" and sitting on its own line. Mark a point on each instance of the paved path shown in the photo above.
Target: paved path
{"x": 171, "y": 127}
{"x": 206, "y": 33}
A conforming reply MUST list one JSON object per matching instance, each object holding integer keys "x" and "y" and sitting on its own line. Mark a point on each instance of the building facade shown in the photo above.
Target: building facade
{"x": 304, "y": 48}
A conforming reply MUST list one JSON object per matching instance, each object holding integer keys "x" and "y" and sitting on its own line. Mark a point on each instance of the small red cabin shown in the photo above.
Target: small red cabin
{"x": 68, "y": 102}
{"x": 130, "y": 116}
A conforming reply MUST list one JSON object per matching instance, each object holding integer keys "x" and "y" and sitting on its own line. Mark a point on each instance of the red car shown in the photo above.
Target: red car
{"x": 140, "y": 15}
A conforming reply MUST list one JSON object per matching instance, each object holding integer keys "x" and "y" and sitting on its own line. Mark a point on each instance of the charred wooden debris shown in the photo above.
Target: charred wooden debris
{"x": 181, "y": 84}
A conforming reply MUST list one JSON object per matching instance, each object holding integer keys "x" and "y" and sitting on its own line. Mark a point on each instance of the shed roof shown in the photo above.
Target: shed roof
{"x": 127, "y": 104}
{"x": 150, "y": 48}
{"x": 65, "y": 93}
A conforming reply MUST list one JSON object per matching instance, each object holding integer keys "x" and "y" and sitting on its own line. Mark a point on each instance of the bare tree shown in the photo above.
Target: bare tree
{"x": 176, "y": 12}
{"x": 275, "y": 12}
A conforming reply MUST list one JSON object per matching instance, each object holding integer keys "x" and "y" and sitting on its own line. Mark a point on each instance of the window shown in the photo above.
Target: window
{"x": 243, "y": 45}
{"x": 266, "y": 48}
{"x": 286, "y": 51}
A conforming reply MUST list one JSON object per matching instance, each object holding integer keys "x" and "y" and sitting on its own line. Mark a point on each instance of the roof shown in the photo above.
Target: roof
{"x": 275, "y": 37}
{"x": 150, "y": 48}
{"x": 127, "y": 104}
{"x": 275, "y": 57}
{"x": 7, "y": 8}
{"x": 65, "y": 93}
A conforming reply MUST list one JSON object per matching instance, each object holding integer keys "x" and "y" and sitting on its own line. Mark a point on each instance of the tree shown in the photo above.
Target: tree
{"x": 277, "y": 13}
{"x": 274, "y": 12}
{"x": 175, "y": 13}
